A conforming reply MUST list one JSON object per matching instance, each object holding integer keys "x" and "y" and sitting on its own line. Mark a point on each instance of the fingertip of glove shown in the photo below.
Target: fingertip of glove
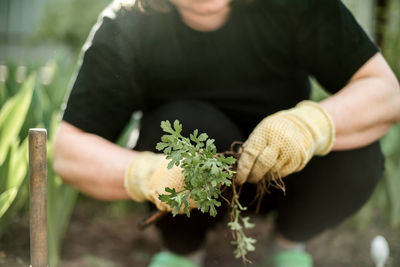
{"x": 245, "y": 164}
{"x": 241, "y": 174}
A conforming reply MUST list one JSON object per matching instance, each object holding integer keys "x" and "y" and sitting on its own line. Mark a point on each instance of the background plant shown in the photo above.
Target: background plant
{"x": 34, "y": 103}
{"x": 68, "y": 22}
{"x": 391, "y": 142}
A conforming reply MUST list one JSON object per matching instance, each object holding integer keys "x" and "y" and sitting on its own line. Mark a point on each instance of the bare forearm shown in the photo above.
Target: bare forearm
{"x": 90, "y": 163}
{"x": 364, "y": 110}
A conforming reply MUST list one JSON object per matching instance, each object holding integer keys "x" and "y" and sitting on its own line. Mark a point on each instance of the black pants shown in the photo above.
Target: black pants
{"x": 323, "y": 194}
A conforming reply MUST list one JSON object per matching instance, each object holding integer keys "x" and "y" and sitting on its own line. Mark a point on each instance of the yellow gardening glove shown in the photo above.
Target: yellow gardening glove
{"x": 147, "y": 176}
{"x": 284, "y": 142}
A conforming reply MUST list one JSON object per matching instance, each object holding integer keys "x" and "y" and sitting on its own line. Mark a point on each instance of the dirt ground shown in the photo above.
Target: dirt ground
{"x": 100, "y": 237}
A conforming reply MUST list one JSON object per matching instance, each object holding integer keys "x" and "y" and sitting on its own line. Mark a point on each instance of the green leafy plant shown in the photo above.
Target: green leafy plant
{"x": 237, "y": 225}
{"x": 206, "y": 174}
{"x": 204, "y": 171}
{"x": 13, "y": 152}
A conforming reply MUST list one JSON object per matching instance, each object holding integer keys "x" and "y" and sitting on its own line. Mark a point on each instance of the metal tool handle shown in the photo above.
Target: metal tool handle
{"x": 37, "y": 197}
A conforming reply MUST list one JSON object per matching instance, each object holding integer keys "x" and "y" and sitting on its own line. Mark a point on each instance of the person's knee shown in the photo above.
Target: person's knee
{"x": 329, "y": 190}
{"x": 365, "y": 168}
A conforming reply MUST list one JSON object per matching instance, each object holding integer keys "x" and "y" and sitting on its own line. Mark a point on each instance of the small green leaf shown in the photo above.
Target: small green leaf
{"x": 175, "y": 158}
{"x": 160, "y": 146}
{"x": 230, "y": 160}
{"x": 187, "y": 204}
{"x": 164, "y": 198}
{"x": 246, "y": 223}
{"x": 167, "y": 138}
{"x": 210, "y": 142}
{"x": 213, "y": 211}
{"x": 177, "y": 146}
{"x": 196, "y": 160}
{"x": 170, "y": 190}
{"x": 6, "y": 198}
{"x": 200, "y": 145}
{"x": 177, "y": 127}
{"x": 175, "y": 211}
{"x": 193, "y": 136}
{"x": 167, "y": 150}
{"x": 214, "y": 169}
{"x": 248, "y": 241}
{"x": 170, "y": 165}
{"x": 234, "y": 226}
{"x": 203, "y": 137}
{"x": 166, "y": 126}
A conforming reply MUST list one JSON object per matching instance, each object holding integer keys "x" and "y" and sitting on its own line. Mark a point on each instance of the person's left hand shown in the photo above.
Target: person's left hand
{"x": 147, "y": 176}
{"x": 284, "y": 142}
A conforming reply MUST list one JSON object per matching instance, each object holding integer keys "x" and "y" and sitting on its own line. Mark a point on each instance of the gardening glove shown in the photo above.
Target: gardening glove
{"x": 147, "y": 176}
{"x": 284, "y": 142}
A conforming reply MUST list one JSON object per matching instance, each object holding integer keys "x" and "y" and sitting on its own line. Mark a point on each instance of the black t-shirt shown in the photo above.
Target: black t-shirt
{"x": 259, "y": 62}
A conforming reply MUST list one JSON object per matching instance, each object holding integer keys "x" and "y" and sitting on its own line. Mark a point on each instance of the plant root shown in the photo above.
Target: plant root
{"x": 271, "y": 180}
{"x": 151, "y": 219}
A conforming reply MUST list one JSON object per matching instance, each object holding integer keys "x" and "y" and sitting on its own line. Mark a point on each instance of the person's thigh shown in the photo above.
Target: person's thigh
{"x": 328, "y": 190}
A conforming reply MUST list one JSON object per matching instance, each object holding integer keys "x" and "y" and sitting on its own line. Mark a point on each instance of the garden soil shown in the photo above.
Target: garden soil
{"x": 103, "y": 235}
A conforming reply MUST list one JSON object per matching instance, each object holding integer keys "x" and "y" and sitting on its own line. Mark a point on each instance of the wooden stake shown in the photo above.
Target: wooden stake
{"x": 37, "y": 196}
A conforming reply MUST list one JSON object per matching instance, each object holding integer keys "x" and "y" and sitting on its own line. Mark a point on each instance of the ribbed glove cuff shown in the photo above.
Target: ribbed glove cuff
{"x": 319, "y": 123}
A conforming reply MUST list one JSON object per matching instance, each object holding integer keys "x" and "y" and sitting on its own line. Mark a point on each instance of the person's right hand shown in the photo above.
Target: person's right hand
{"x": 284, "y": 142}
{"x": 147, "y": 176}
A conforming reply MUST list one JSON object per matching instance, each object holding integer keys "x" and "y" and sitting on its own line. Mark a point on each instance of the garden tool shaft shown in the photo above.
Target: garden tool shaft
{"x": 37, "y": 197}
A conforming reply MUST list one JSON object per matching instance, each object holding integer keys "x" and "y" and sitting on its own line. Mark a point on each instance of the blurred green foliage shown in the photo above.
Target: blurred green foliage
{"x": 391, "y": 142}
{"x": 68, "y": 22}
{"x": 13, "y": 153}
{"x": 34, "y": 103}
{"x": 391, "y": 35}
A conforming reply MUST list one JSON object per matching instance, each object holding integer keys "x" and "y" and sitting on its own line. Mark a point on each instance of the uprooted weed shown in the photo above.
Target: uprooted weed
{"x": 209, "y": 178}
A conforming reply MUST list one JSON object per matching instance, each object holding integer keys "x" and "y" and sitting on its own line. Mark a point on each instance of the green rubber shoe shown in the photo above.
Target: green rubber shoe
{"x": 168, "y": 259}
{"x": 290, "y": 258}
